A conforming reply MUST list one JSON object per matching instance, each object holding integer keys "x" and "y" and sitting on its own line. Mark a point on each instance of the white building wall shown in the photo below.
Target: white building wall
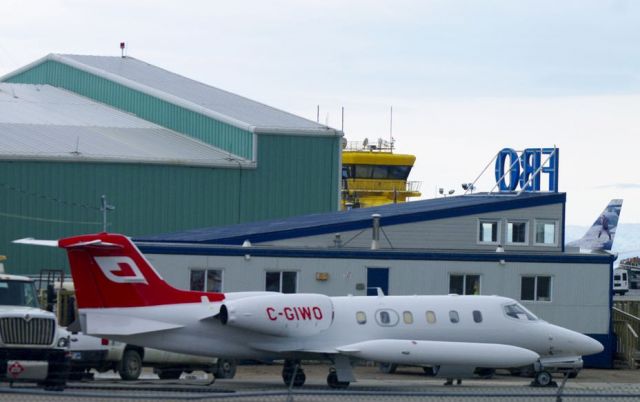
{"x": 580, "y": 292}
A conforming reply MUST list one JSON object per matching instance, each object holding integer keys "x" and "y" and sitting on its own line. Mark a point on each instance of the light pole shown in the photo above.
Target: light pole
{"x": 105, "y": 208}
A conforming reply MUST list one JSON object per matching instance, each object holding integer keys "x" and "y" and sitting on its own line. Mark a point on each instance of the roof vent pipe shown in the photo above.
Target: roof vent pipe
{"x": 375, "y": 231}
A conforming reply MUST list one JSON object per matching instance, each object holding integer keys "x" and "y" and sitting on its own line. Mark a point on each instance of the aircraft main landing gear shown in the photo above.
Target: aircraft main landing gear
{"x": 290, "y": 369}
{"x": 332, "y": 380}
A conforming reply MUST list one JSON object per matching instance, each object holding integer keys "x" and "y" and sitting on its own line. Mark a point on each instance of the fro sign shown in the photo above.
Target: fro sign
{"x": 524, "y": 169}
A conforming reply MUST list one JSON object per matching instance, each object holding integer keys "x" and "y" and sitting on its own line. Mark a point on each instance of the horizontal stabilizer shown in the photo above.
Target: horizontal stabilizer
{"x": 105, "y": 324}
{"x": 436, "y": 353}
{"x": 36, "y": 242}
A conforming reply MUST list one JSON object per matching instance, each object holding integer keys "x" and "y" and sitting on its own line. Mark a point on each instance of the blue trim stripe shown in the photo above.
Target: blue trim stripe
{"x": 603, "y": 359}
{"x": 406, "y": 255}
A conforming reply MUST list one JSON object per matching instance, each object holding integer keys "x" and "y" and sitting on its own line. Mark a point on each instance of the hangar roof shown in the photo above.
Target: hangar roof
{"x": 44, "y": 122}
{"x": 190, "y": 94}
{"x": 336, "y": 222}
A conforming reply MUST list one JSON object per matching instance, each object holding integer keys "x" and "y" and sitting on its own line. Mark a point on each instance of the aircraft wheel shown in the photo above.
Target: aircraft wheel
{"x": 543, "y": 379}
{"x": 130, "y": 366}
{"x": 225, "y": 369}
{"x": 288, "y": 370}
{"x": 387, "y": 368}
{"x": 332, "y": 381}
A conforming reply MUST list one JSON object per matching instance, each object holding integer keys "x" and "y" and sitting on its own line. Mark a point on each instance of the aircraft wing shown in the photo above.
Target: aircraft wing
{"x": 410, "y": 352}
{"x": 440, "y": 353}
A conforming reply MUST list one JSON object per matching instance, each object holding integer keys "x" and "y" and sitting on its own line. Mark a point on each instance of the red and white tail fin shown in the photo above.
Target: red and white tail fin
{"x": 108, "y": 270}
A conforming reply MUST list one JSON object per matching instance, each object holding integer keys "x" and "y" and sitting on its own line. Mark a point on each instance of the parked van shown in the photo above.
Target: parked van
{"x": 620, "y": 281}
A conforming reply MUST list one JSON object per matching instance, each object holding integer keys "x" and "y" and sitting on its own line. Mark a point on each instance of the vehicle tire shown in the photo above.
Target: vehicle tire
{"x": 387, "y": 368}
{"x": 76, "y": 374}
{"x": 485, "y": 373}
{"x": 58, "y": 372}
{"x": 169, "y": 374}
{"x": 130, "y": 366}
{"x": 573, "y": 374}
{"x": 225, "y": 369}
{"x": 332, "y": 381}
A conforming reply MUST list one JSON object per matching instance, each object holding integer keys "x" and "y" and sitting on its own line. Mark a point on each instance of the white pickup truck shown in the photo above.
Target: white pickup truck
{"x": 90, "y": 352}
{"x": 32, "y": 345}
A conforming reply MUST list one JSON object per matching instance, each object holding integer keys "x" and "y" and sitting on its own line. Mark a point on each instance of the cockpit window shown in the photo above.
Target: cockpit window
{"x": 518, "y": 312}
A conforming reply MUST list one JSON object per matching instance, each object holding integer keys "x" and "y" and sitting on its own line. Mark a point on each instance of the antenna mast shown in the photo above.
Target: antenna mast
{"x": 391, "y": 128}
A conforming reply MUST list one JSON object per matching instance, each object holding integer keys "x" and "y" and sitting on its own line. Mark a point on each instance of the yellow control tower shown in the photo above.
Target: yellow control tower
{"x": 373, "y": 175}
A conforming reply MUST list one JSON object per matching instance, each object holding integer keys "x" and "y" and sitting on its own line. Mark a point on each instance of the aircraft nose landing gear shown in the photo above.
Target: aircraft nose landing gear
{"x": 292, "y": 373}
{"x": 543, "y": 379}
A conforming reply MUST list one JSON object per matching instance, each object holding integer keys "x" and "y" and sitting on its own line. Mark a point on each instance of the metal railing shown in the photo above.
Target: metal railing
{"x": 627, "y": 326}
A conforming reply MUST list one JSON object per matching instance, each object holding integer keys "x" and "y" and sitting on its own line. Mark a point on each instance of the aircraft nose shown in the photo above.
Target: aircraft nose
{"x": 586, "y": 345}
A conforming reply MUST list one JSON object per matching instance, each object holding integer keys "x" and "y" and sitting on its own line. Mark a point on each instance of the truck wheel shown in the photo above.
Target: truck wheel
{"x": 58, "y": 372}
{"x": 225, "y": 369}
{"x": 130, "y": 366}
{"x": 169, "y": 374}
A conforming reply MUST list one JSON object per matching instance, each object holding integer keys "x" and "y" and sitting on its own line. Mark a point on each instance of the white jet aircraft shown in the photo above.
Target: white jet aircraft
{"x": 120, "y": 296}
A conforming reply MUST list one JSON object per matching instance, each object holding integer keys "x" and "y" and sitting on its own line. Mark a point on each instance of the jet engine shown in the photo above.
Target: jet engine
{"x": 279, "y": 314}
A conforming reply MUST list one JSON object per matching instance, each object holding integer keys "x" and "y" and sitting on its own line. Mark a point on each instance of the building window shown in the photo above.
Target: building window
{"x": 546, "y": 233}
{"x": 281, "y": 281}
{"x": 205, "y": 280}
{"x": 488, "y": 232}
{"x": 407, "y": 317}
{"x": 536, "y": 288}
{"x": 462, "y": 284}
{"x": 477, "y": 316}
{"x": 431, "y": 317}
{"x": 517, "y": 233}
{"x": 454, "y": 317}
{"x": 361, "y": 317}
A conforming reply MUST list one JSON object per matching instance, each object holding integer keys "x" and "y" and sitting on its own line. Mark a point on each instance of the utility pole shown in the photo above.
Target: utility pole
{"x": 105, "y": 208}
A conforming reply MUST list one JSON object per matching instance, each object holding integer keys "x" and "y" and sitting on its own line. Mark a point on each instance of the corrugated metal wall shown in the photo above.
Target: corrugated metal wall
{"x": 295, "y": 175}
{"x": 203, "y": 128}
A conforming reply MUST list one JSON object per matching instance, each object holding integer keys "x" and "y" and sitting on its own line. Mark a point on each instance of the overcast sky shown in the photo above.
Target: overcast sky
{"x": 465, "y": 78}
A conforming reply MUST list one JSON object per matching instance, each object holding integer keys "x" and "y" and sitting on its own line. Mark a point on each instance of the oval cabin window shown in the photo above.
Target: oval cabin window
{"x": 361, "y": 317}
{"x": 477, "y": 316}
{"x": 407, "y": 317}
{"x": 454, "y": 317}
{"x": 431, "y": 317}
{"x": 387, "y": 318}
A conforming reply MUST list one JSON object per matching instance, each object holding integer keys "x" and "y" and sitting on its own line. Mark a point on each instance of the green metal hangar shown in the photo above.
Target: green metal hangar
{"x": 503, "y": 244}
{"x": 170, "y": 153}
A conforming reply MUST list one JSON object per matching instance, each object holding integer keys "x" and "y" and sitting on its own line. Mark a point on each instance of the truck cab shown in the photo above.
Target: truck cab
{"x": 32, "y": 346}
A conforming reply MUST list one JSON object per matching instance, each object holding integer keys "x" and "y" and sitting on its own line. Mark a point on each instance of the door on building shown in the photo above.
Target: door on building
{"x": 377, "y": 278}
